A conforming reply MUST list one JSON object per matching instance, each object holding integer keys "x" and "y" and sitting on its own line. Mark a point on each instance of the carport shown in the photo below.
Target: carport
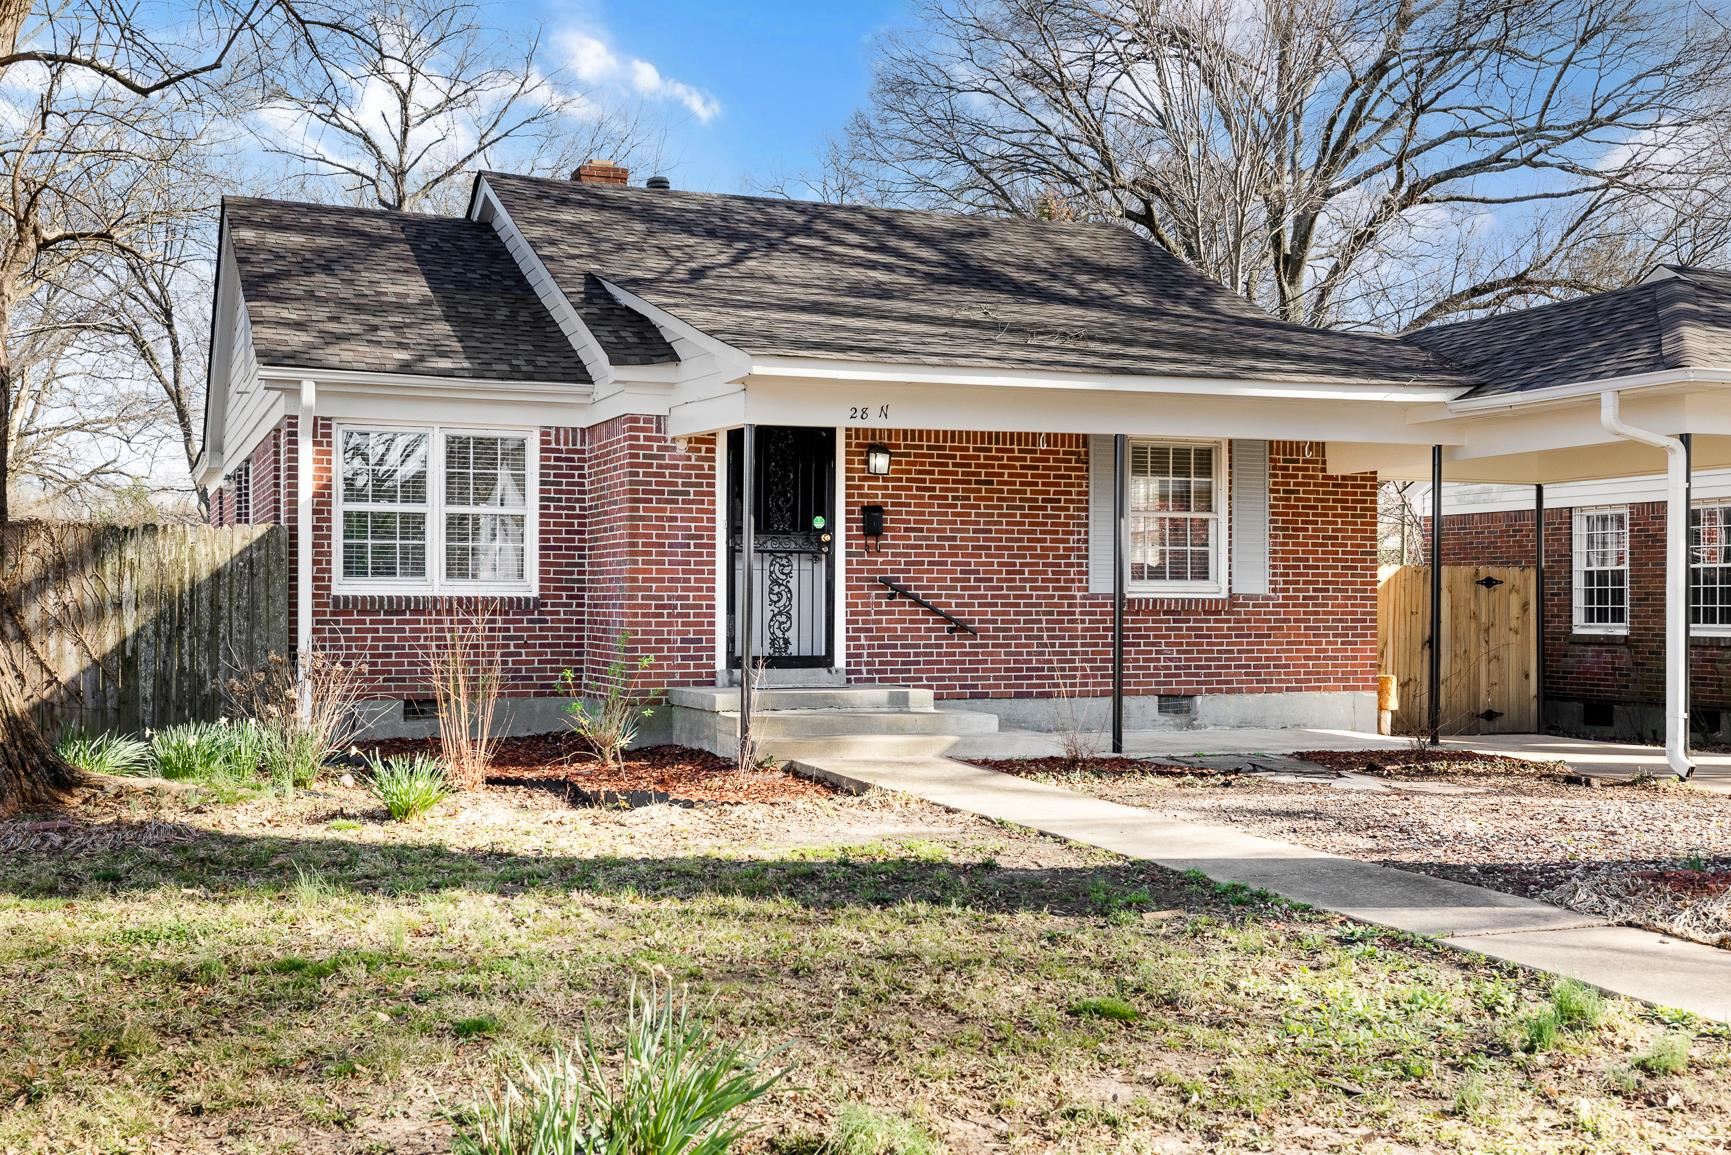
{"x": 1628, "y": 383}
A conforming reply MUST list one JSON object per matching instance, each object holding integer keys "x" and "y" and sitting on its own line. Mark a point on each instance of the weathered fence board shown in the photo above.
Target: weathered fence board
{"x": 131, "y": 627}
{"x": 1489, "y": 653}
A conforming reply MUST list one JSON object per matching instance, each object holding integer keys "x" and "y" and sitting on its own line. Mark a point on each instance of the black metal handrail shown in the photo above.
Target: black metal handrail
{"x": 902, "y": 591}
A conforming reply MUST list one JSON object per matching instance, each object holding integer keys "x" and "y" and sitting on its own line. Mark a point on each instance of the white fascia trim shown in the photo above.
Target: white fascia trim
{"x": 207, "y": 470}
{"x": 488, "y": 209}
{"x": 720, "y": 363}
{"x": 1583, "y": 389}
{"x": 287, "y": 378}
{"x": 824, "y": 369}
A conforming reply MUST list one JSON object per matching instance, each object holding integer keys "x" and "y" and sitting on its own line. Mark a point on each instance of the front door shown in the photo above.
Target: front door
{"x": 793, "y": 556}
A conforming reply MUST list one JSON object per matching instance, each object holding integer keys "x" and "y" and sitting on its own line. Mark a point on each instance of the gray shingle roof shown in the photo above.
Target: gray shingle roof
{"x": 329, "y": 287}
{"x": 1680, "y": 321}
{"x": 778, "y": 277}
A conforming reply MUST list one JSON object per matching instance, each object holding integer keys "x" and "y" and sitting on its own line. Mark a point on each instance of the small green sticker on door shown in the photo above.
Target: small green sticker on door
{"x": 819, "y": 521}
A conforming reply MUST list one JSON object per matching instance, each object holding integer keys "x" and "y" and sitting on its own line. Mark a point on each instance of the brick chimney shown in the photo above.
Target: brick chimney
{"x": 601, "y": 172}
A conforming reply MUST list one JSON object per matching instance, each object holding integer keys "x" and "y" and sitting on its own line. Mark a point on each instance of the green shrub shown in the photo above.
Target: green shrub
{"x": 408, "y": 785}
{"x": 1105, "y": 1007}
{"x": 219, "y": 752}
{"x": 676, "y": 1087}
{"x": 1669, "y": 1054}
{"x": 610, "y": 724}
{"x": 104, "y": 753}
{"x": 863, "y": 1131}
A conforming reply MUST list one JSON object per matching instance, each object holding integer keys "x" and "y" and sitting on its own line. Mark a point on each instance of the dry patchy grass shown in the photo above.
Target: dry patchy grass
{"x": 301, "y": 975}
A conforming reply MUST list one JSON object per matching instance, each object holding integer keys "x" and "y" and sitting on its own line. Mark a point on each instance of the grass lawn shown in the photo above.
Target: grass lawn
{"x": 301, "y": 975}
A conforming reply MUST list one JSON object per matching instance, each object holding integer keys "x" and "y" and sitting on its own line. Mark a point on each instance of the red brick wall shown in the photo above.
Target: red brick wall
{"x": 540, "y": 636}
{"x": 651, "y": 550}
{"x": 627, "y": 532}
{"x": 991, "y": 526}
{"x": 1613, "y": 668}
{"x": 994, "y": 528}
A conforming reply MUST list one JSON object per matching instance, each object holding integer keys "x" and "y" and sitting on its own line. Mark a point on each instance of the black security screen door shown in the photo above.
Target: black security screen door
{"x": 794, "y": 535}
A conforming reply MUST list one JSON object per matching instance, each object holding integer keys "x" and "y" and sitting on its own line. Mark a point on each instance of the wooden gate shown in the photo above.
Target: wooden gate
{"x": 1489, "y": 647}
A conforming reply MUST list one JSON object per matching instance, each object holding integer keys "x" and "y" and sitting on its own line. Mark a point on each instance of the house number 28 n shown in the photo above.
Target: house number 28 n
{"x": 867, "y": 413}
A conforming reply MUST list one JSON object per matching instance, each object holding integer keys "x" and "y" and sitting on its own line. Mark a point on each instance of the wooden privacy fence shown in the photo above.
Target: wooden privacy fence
{"x": 130, "y": 627}
{"x": 1489, "y": 647}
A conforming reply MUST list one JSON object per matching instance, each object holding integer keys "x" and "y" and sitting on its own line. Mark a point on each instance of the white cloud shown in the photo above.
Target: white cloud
{"x": 595, "y": 62}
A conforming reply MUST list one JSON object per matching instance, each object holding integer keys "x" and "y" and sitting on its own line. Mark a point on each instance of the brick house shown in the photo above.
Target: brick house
{"x": 550, "y": 403}
{"x": 1604, "y": 633}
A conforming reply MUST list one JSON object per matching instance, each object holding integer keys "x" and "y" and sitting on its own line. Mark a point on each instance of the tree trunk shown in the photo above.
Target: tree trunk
{"x": 31, "y": 772}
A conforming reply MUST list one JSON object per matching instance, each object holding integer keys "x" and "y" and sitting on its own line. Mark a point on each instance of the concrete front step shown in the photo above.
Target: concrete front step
{"x": 773, "y": 699}
{"x": 840, "y": 749}
{"x": 834, "y": 722}
{"x": 825, "y": 723}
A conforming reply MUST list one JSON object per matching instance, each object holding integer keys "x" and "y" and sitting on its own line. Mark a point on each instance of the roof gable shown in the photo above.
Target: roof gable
{"x": 331, "y": 287}
{"x": 1681, "y": 320}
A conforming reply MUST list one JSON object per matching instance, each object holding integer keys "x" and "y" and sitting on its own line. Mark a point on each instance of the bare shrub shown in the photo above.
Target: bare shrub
{"x": 610, "y": 724}
{"x": 307, "y": 706}
{"x": 466, "y": 667}
{"x": 750, "y": 756}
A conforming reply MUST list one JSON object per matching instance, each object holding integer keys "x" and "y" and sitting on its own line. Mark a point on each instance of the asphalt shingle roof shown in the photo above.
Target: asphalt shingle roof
{"x": 794, "y": 278}
{"x": 329, "y": 287}
{"x": 1681, "y": 321}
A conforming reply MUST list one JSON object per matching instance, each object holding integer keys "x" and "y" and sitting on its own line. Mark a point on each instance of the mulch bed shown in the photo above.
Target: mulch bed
{"x": 1106, "y": 764}
{"x": 566, "y": 763}
{"x": 1428, "y": 763}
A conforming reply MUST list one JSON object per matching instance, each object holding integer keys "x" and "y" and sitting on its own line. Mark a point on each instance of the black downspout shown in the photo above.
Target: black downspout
{"x": 1688, "y": 440}
{"x": 1436, "y": 586}
{"x": 1120, "y": 550}
{"x": 1539, "y": 609}
{"x": 747, "y": 590}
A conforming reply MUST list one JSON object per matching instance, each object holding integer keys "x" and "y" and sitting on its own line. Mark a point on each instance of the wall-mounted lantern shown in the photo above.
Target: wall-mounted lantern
{"x": 877, "y": 460}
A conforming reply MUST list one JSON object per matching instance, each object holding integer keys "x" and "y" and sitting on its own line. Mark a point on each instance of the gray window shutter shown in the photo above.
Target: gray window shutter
{"x": 1249, "y": 517}
{"x": 1100, "y": 514}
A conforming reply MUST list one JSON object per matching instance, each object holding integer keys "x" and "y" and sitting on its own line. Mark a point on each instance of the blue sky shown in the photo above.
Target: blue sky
{"x": 746, "y": 89}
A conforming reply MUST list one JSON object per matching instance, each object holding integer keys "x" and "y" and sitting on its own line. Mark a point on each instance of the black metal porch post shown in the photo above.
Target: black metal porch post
{"x": 1539, "y": 608}
{"x": 747, "y": 624}
{"x": 1120, "y": 549}
{"x": 1436, "y": 586}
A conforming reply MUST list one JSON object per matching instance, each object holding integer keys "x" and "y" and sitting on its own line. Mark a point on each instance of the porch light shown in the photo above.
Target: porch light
{"x": 877, "y": 460}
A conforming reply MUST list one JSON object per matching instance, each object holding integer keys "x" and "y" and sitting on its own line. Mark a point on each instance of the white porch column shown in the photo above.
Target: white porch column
{"x": 304, "y": 529}
{"x": 1676, "y": 578}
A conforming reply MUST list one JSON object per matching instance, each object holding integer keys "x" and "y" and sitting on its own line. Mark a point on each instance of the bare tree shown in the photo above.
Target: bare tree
{"x": 101, "y": 97}
{"x": 842, "y": 176}
{"x": 419, "y": 94}
{"x": 1304, "y": 152}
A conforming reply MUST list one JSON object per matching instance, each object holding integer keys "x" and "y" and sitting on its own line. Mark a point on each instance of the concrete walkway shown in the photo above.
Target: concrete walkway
{"x": 1630, "y": 962}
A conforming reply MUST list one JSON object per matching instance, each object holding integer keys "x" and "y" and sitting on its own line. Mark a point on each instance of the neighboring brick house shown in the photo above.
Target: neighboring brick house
{"x": 547, "y": 406}
{"x": 1605, "y": 596}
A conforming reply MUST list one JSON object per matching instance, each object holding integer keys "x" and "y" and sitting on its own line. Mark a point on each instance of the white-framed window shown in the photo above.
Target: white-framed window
{"x": 1601, "y": 568}
{"x": 1177, "y": 514}
{"x": 435, "y": 509}
{"x": 240, "y": 484}
{"x": 1710, "y": 567}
